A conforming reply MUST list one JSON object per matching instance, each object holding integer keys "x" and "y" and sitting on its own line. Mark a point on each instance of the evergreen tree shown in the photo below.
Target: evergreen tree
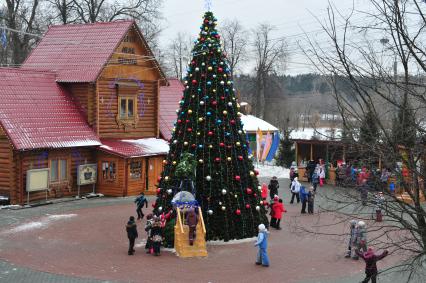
{"x": 286, "y": 153}
{"x": 209, "y": 127}
{"x": 404, "y": 127}
{"x": 368, "y": 133}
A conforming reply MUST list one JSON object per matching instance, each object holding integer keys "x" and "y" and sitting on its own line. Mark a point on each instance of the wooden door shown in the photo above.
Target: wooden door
{"x": 154, "y": 168}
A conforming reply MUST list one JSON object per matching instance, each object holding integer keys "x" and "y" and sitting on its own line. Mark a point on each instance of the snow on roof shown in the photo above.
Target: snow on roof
{"x": 135, "y": 148}
{"x": 317, "y": 133}
{"x": 252, "y": 123}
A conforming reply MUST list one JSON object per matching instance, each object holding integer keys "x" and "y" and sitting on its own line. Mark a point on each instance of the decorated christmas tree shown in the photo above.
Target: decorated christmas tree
{"x": 209, "y": 128}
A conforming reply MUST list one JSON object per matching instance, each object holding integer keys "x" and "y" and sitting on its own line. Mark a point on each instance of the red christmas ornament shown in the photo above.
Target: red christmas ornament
{"x": 210, "y": 133}
{"x": 217, "y": 36}
{"x": 238, "y": 212}
{"x": 193, "y": 62}
{"x": 189, "y": 130}
{"x": 222, "y": 97}
{"x": 240, "y": 157}
{"x": 202, "y": 39}
{"x": 247, "y": 206}
{"x": 159, "y": 178}
{"x": 221, "y": 144}
{"x": 206, "y": 21}
{"x": 220, "y": 70}
{"x": 255, "y": 195}
{"x": 214, "y": 102}
{"x": 237, "y": 178}
{"x": 232, "y": 121}
{"x": 256, "y": 172}
{"x": 217, "y": 159}
{"x": 154, "y": 204}
{"x": 193, "y": 145}
{"x": 158, "y": 190}
{"x": 187, "y": 121}
{"x": 179, "y": 121}
{"x": 249, "y": 191}
{"x": 229, "y": 146}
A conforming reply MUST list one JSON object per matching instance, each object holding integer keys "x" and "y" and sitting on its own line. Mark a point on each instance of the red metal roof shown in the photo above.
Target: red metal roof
{"x": 169, "y": 102}
{"x": 78, "y": 52}
{"x": 135, "y": 148}
{"x": 36, "y": 112}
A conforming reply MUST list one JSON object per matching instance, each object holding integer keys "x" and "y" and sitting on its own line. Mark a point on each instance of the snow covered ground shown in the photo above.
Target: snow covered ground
{"x": 268, "y": 171}
{"x": 232, "y": 242}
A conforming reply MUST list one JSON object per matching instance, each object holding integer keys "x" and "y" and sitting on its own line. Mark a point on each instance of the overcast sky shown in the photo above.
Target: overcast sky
{"x": 291, "y": 17}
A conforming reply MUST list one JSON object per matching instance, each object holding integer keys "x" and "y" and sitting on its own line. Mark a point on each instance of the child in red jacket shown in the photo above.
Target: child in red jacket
{"x": 278, "y": 209}
{"x": 371, "y": 259}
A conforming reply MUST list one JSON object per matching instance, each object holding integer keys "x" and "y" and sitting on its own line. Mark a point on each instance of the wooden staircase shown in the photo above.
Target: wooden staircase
{"x": 182, "y": 246}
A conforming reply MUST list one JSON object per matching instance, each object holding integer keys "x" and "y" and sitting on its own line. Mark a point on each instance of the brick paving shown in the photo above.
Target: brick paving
{"x": 92, "y": 247}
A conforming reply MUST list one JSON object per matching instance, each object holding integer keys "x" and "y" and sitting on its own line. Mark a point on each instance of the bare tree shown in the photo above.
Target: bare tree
{"x": 63, "y": 10}
{"x": 21, "y": 15}
{"x": 270, "y": 56}
{"x": 235, "y": 40}
{"x": 179, "y": 52}
{"x": 374, "y": 90}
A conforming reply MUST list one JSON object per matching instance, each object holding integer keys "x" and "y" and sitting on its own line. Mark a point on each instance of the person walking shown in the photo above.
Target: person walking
{"x": 132, "y": 234}
{"x": 371, "y": 260}
{"x": 379, "y": 200}
{"x": 321, "y": 175}
{"x": 311, "y": 200}
{"x": 303, "y": 198}
{"x": 140, "y": 201}
{"x": 315, "y": 179}
{"x": 192, "y": 221}
{"x": 273, "y": 222}
{"x": 361, "y": 238}
{"x": 295, "y": 189}
{"x": 273, "y": 187}
{"x": 264, "y": 192}
{"x": 352, "y": 238}
{"x": 262, "y": 244}
{"x": 278, "y": 208}
{"x": 156, "y": 235}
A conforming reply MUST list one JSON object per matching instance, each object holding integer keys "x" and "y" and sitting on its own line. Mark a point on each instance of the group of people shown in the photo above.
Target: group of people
{"x": 153, "y": 227}
{"x": 358, "y": 243}
{"x": 298, "y": 191}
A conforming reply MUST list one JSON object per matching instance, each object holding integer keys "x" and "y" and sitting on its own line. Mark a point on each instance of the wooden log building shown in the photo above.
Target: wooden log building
{"x": 87, "y": 94}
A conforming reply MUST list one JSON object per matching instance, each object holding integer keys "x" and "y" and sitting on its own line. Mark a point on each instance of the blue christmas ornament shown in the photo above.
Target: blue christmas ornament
{"x": 214, "y": 63}
{"x": 206, "y": 97}
{"x": 183, "y": 112}
{"x": 199, "y": 89}
{"x": 227, "y": 134}
{"x": 209, "y": 83}
{"x": 226, "y": 90}
{"x": 209, "y": 113}
{"x": 219, "y": 121}
{"x": 200, "y": 146}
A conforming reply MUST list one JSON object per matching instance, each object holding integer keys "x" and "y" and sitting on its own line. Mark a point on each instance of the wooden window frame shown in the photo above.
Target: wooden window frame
{"x": 130, "y": 170}
{"x": 126, "y": 121}
{"x": 101, "y": 176}
{"x": 68, "y": 171}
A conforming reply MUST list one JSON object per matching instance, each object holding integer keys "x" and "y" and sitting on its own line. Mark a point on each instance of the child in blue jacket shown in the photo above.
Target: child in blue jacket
{"x": 262, "y": 244}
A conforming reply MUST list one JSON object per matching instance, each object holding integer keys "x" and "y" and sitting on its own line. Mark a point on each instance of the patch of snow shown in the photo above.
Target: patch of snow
{"x": 317, "y": 133}
{"x": 12, "y": 206}
{"x": 4, "y": 198}
{"x": 252, "y": 123}
{"x": 151, "y": 145}
{"x": 232, "y": 242}
{"x": 42, "y": 223}
{"x": 268, "y": 171}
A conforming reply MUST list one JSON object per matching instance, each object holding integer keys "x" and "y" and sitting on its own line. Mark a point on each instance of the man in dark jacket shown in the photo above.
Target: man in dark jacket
{"x": 192, "y": 221}
{"x": 140, "y": 201}
{"x": 310, "y": 168}
{"x": 132, "y": 234}
{"x": 273, "y": 187}
{"x": 371, "y": 259}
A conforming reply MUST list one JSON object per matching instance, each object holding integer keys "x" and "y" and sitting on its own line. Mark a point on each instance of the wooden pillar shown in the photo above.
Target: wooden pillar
{"x": 312, "y": 152}
{"x": 297, "y": 154}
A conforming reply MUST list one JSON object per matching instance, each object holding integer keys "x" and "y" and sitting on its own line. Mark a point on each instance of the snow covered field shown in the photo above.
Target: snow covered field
{"x": 268, "y": 171}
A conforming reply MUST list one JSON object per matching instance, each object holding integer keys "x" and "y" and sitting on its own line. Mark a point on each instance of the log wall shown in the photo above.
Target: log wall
{"x": 7, "y": 180}
{"x": 39, "y": 159}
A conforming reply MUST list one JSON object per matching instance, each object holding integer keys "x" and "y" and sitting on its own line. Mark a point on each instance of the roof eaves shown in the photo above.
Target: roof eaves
{"x": 7, "y": 135}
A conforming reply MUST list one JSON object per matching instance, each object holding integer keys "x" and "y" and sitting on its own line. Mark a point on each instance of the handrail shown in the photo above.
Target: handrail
{"x": 202, "y": 220}
{"x": 179, "y": 219}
